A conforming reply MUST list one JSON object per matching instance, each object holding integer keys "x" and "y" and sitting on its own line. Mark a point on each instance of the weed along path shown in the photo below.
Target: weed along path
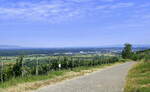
{"x": 111, "y": 79}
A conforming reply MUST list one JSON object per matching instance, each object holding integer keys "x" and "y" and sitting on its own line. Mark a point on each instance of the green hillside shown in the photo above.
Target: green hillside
{"x": 138, "y": 79}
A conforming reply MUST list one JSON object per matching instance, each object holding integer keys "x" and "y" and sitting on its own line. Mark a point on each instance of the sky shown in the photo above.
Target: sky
{"x": 74, "y": 23}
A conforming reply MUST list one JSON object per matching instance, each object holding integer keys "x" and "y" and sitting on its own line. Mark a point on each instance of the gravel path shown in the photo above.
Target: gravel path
{"x": 111, "y": 79}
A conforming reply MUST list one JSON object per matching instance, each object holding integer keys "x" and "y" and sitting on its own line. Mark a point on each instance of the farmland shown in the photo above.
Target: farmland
{"x": 34, "y": 67}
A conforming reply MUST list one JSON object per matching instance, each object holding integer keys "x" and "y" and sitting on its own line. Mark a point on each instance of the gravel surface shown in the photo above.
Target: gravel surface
{"x": 110, "y": 79}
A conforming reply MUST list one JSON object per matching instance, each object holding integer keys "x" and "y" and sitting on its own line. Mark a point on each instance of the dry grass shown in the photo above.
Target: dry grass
{"x": 139, "y": 78}
{"x": 27, "y": 87}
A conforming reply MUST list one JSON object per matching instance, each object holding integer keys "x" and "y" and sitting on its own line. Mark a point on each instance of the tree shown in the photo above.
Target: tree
{"x": 127, "y": 51}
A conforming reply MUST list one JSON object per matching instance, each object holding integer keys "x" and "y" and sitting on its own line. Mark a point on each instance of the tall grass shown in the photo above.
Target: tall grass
{"x": 18, "y": 80}
{"x": 138, "y": 79}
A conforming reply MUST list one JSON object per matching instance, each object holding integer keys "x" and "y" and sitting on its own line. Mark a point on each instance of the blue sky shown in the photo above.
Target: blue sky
{"x": 71, "y": 23}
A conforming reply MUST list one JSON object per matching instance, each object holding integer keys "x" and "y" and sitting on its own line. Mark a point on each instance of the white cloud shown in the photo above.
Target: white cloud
{"x": 144, "y": 5}
{"x": 56, "y": 11}
{"x": 115, "y": 6}
{"x": 108, "y": 0}
{"x": 38, "y": 11}
{"x": 121, "y": 5}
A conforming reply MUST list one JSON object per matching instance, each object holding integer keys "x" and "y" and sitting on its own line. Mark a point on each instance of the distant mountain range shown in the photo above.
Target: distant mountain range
{"x": 148, "y": 46}
{"x": 134, "y": 45}
{"x": 9, "y": 47}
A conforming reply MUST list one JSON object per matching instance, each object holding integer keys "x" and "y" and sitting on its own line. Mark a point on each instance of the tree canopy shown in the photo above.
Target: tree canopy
{"x": 127, "y": 51}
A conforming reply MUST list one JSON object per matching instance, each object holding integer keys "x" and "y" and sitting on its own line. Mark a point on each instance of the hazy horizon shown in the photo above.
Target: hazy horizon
{"x": 100, "y": 46}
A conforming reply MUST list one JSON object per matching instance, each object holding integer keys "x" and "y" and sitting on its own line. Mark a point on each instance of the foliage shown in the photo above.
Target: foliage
{"x": 17, "y": 68}
{"x": 127, "y": 51}
{"x": 25, "y": 67}
{"x": 139, "y": 55}
{"x": 138, "y": 79}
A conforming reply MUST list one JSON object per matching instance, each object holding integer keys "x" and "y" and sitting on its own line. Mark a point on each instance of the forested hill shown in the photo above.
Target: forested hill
{"x": 52, "y": 51}
{"x": 144, "y": 51}
{"x": 143, "y": 54}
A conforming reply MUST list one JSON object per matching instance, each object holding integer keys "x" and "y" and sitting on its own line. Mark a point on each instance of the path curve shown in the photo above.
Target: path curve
{"x": 111, "y": 79}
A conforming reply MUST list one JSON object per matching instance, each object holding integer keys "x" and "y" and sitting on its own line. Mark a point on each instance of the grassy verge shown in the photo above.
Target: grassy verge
{"x": 138, "y": 79}
{"x": 18, "y": 80}
{"x": 33, "y": 82}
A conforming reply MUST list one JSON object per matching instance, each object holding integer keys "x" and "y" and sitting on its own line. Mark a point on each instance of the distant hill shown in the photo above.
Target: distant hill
{"x": 134, "y": 45}
{"x": 105, "y": 46}
{"x": 144, "y": 51}
{"x": 9, "y": 47}
{"x": 141, "y": 45}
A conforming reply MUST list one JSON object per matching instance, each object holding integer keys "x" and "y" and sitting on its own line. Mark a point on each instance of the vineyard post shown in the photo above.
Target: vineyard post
{"x": 59, "y": 62}
{"x": 37, "y": 66}
{"x": 22, "y": 73}
{"x": 73, "y": 63}
{"x": 79, "y": 62}
{"x": 59, "y": 66}
{"x": 106, "y": 61}
{"x": 2, "y": 66}
{"x": 49, "y": 61}
{"x": 100, "y": 60}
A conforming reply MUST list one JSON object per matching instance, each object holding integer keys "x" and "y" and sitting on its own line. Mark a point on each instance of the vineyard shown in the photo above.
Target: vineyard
{"x": 24, "y": 66}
